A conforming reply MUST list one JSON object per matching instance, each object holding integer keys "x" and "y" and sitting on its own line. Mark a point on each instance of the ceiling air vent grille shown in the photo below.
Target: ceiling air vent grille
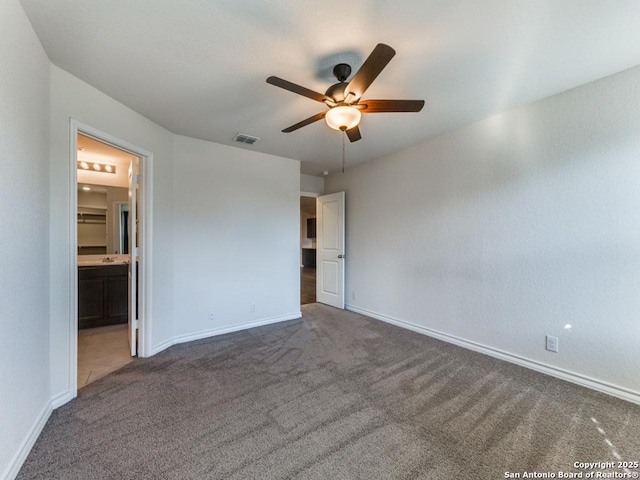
{"x": 244, "y": 138}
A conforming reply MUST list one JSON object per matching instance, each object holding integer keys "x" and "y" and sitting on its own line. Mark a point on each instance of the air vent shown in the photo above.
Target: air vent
{"x": 244, "y": 138}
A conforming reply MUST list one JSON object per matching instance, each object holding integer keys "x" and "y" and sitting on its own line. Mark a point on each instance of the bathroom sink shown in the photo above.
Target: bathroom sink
{"x": 94, "y": 260}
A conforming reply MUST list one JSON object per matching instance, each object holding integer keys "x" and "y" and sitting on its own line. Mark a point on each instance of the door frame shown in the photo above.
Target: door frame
{"x": 145, "y": 248}
{"x": 302, "y": 194}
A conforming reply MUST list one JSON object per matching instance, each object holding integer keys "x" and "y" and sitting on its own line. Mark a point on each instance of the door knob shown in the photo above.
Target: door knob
{"x": 342, "y": 256}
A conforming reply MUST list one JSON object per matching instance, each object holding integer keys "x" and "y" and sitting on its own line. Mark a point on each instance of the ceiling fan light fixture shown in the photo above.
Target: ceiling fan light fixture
{"x": 343, "y": 117}
{"x": 344, "y": 99}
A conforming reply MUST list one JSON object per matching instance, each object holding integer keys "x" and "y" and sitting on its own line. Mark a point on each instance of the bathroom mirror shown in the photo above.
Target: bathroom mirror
{"x": 103, "y": 214}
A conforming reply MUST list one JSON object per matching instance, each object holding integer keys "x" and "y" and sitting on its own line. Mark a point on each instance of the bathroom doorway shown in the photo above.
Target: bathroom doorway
{"x": 112, "y": 206}
{"x": 103, "y": 192}
{"x": 307, "y": 249}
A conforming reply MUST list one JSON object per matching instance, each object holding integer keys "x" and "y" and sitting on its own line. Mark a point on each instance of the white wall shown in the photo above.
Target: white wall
{"x": 73, "y": 98}
{"x": 24, "y": 258}
{"x": 311, "y": 184}
{"x": 510, "y": 229}
{"x": 236, "y": 233}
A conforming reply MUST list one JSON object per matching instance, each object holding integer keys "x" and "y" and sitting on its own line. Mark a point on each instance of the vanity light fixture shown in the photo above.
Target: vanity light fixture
{"x": 96, "y": 167}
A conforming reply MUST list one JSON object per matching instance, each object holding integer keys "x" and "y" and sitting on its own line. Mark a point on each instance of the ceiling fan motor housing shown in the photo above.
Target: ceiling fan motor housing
{"x": 342, "y": 71}
{"x": 336, "y": 91}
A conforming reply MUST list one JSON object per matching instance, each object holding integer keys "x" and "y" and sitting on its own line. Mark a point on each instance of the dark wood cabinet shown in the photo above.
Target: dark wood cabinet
{"x": 309, "y": 257}
{"x": 102, "y": 295}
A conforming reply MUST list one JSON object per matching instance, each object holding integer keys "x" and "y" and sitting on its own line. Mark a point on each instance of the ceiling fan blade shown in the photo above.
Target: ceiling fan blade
{"x": 354, "y": 134}
{"x": 379, "y": 106}
{"x": 292, "y": 87}
{"x": 303, "y": 123}
{"x": 370, "y": 69}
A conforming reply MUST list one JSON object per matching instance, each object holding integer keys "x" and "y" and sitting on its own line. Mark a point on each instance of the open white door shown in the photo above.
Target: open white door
{"x": 133, "y": 259}
{"x": 330, "y": 250}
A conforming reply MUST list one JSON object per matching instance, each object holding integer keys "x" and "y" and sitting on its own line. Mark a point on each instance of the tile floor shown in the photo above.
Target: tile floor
{"x": 101, "y": 351}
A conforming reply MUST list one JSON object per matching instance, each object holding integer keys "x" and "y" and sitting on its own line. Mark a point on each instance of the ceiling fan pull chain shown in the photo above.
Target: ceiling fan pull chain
{"x": 344, "y": 134}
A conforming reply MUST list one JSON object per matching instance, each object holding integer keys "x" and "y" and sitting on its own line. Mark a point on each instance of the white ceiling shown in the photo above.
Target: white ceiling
{"x": 198, "y": 67}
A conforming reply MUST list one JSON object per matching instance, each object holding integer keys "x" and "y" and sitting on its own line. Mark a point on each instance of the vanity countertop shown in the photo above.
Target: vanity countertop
{"x": 93, "y": 260}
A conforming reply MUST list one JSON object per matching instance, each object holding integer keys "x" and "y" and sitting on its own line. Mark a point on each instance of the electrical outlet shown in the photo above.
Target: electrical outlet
{"x": 552, "y": 343}
{"x": 253, "y": 306}
{"x": 212, "y": 315}
{"x": 354, "y": 295}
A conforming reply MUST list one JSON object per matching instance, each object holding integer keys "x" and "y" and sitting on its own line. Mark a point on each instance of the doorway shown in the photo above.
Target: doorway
{"x": 110, "y": 251}
{"x": 307, "y": 249}
{"x": 103, "y": 192}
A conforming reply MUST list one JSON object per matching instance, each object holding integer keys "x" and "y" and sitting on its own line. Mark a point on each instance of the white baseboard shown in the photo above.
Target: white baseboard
{"x": 582, "y": 380}
{"x": 222, "y": 330}
{"x": 161, "y": 346}
{"x": 23, "y": 451}
{"x": 61, "y": 399}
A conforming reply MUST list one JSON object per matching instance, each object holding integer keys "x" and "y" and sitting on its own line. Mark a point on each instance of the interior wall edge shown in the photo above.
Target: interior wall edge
{"x": 562, "y": 374}
{"x": 27, "y": 444}
{"x": 61, "y": 398}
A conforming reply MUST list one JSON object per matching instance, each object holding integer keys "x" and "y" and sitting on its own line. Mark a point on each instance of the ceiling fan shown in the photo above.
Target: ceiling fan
{"x": 345, "y": 99}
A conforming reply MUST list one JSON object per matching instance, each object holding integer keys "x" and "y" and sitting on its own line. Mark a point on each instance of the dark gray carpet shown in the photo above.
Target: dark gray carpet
{"x": 332, "y": 396}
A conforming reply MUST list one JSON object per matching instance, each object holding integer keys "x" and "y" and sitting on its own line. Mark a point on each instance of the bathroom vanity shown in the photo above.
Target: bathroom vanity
{"x": 102, "y": 294}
